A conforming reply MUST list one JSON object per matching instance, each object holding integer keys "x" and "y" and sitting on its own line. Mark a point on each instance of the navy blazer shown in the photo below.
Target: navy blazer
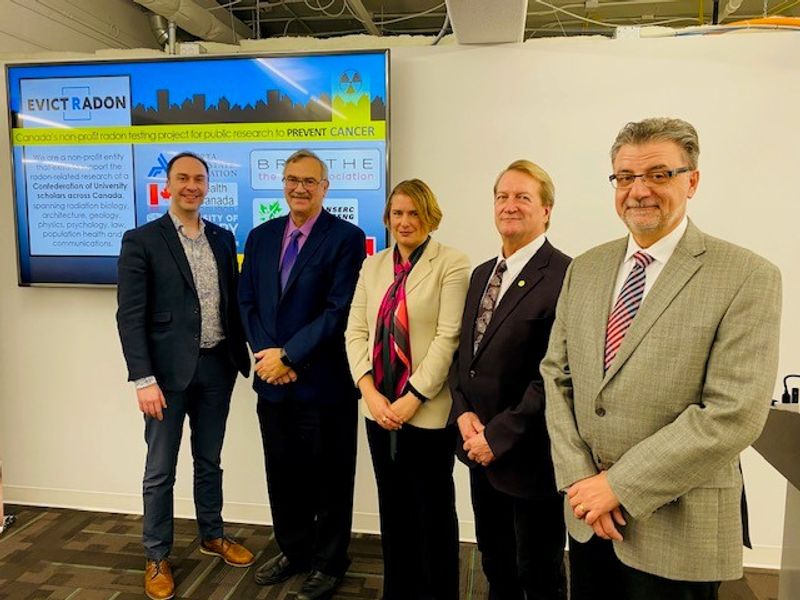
{"x": 158, "y": 314}
{"x": 501, "y": 383}
{"x": 308, "y": 319}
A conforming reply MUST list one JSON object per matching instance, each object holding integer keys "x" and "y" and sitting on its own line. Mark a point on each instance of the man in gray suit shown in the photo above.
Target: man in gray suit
{"x": 658, "y": 373}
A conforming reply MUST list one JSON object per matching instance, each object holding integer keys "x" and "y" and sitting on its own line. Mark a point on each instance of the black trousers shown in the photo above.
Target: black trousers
{"x": 597, "y": 574}
{"x": 416, "y": 497}
{"x": 521, "y": 541}
{"x": 310, "y": 457}
{"x": 206, "y": 402}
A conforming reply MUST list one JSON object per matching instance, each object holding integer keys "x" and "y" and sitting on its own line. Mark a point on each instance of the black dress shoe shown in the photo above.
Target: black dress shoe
{"x": 277, "y": 569}
{"x": 319, "y": 586}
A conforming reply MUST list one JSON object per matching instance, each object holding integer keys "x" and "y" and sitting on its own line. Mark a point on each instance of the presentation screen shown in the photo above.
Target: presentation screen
{"x": 91, "y": 142}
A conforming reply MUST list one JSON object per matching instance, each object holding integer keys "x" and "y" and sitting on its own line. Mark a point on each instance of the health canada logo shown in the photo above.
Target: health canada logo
{"x": 157, "y": 196}
{"x": 76, "y": 103}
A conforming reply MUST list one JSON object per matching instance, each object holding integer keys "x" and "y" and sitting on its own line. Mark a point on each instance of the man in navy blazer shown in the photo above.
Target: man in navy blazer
{"x": 183, "y": 342}
{"x": 298, "y": 279}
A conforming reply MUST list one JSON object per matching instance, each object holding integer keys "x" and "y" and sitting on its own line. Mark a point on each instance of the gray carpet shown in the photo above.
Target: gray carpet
{"x": 77, "y": 555}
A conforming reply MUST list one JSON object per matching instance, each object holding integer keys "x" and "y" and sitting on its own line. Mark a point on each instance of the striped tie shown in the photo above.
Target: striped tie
{"x": 625, "y": 308}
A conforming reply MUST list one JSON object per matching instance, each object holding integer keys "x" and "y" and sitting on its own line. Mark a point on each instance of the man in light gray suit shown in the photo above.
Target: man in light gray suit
{"x": 659, "y": 372}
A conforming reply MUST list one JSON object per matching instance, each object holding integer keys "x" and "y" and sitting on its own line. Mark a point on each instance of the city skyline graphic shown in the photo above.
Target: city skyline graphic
{"x": 274, "y": 107}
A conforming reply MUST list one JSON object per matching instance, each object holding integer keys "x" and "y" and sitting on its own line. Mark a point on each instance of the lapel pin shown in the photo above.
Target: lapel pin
{"x": 521, "y": 283}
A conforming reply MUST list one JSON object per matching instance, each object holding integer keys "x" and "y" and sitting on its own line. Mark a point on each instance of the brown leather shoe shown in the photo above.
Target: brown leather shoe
{"x": 158, "y": 582}
{"x": 231, "y": 551}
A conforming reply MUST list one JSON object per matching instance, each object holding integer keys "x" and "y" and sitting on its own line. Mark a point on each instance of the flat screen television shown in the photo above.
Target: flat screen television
{"x": 90, "y": 143}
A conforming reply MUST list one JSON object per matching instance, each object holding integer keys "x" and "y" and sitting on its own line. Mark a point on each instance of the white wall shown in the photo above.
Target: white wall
{"x": 75, "y": 25}
{"x": 70, "y": 433}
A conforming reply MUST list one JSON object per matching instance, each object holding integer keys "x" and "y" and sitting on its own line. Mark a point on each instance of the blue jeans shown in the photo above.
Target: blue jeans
{"x": 206, "y": 401}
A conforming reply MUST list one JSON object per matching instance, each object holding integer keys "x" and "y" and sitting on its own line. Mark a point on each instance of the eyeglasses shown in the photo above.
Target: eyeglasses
{"x": 623, "y": 181}
{"x": 309, "y": 183}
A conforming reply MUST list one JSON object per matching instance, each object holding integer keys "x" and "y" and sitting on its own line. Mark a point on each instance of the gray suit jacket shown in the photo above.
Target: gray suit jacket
{"x": 689, "y": 389}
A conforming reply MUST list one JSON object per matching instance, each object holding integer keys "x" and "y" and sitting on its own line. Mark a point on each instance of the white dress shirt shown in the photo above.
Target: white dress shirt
{"x": 515, "y": 263}
{"x": 661, "y": 252}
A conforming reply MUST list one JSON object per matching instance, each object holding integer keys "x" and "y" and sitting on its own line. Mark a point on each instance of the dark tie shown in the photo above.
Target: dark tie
{"x": 488, "y": 302}
{"x": 290, "y": 256}
{"x": 626, "y": 307}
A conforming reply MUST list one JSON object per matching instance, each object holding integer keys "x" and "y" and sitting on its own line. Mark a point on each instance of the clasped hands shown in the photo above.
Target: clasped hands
{"x": 475, "y": 444}
{"x": 271, "y": 369}
{"x": 593, "y": 501}
{"x": 391, "y": 415}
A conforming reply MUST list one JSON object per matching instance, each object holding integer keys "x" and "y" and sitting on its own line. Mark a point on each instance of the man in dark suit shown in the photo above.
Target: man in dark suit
{"x": 498, "y": 398}
{"x": 183, "y": 342}
{"x": 298, "y": 279}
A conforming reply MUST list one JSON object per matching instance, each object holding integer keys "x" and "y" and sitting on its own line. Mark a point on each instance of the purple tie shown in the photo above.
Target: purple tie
{"x": 289, "y": 257}
{"x": 625, "y": 308}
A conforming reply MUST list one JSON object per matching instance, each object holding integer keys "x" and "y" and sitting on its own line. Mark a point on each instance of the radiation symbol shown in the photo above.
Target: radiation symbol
{"x": 350, "y": 82}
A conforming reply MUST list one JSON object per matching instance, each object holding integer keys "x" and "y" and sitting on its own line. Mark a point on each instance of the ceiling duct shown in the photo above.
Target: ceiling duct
{"x": 488, "y": 21}
{"x": 198, "y": 18}
{"x": 159, "y": 26}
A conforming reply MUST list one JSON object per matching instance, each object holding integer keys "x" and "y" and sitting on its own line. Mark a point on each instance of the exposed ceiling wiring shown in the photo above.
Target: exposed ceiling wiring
{"x": 228, "y": 5}
{"x": 443, "y": 30}
{"x": 325, "y": 18}
{"x": 324, "y": 9}
{"x": 414, "y": 16}
{"x": 616, "y": 23}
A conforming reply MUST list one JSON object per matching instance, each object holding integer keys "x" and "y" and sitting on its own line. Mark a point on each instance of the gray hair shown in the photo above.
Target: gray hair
{"x": 660, "y": 129}
{"x": 305, "y": 153}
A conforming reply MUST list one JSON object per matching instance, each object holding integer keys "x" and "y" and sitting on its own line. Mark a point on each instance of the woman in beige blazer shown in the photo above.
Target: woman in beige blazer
{"x": 402, "y": 332}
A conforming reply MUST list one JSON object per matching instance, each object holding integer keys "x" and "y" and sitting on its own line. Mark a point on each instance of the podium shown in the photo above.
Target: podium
{"x": 779, "y": 444}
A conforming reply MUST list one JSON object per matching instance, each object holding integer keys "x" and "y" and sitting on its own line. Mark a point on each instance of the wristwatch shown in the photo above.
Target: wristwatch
{"x": 285, "y": 359}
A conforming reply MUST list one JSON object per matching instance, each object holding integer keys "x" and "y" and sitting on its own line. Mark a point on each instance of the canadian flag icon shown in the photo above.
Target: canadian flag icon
{"x": 154, "y": 195}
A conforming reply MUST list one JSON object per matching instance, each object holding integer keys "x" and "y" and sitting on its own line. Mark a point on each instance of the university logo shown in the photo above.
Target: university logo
{"x": 160, "y": 167}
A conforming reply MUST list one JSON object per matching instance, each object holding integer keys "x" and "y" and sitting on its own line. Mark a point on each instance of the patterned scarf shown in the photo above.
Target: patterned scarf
{"x": 391, "y": 355}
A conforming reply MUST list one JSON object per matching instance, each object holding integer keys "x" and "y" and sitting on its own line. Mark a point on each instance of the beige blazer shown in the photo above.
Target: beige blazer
{"x": 435, "y": 292}
{"x": 689, "y": 389}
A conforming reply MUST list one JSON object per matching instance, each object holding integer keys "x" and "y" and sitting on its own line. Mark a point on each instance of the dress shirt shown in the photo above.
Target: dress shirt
{"x": 305, "y": 230}
{"x": 661, "y": 252}
{"x": 515, "y": 264}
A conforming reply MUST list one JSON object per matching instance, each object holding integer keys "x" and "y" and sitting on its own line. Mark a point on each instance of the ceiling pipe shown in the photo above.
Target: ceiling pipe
{"x": 360, "y": 12}
{"x": 194, "y": 17}
{"x": 158, "y": 25}
{"x": 171, "y": 31}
